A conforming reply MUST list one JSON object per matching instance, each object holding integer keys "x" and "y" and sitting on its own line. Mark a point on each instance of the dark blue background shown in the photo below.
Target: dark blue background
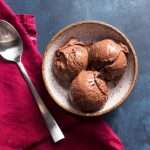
{"x": 132, "y": 120}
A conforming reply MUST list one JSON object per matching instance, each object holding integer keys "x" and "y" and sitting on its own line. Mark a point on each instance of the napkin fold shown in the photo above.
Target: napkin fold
{"x": 21, "y": 124}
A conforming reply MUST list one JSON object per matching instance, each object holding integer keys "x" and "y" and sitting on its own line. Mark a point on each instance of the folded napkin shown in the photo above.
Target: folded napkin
{"x": 21, "y": 124}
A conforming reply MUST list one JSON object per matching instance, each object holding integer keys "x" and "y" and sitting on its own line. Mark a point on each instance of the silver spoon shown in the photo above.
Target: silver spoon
{"x": 11, "y": 48}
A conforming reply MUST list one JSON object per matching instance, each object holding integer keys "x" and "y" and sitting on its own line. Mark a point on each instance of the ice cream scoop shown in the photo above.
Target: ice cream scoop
{"x": 106, "y": 51}
{"x": 109, "y": 56}
{"x": 69, "y": 60}
{"x": 88, "y": 92}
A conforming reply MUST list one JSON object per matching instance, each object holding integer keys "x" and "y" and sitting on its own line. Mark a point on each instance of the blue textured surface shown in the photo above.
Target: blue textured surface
{"x": 132, "y": 120}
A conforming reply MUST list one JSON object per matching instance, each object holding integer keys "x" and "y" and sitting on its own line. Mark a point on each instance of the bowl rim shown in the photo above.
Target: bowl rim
{"x": 60, "y": 32}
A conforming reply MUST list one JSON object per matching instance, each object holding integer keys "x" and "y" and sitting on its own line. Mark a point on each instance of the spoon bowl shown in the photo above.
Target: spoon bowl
{"x": 11, "y": 46}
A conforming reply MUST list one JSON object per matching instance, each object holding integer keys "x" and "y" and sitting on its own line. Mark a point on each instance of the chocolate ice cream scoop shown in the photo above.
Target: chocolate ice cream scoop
{"x": 106, "y": 51}
{"x": 69, "y": 60}
{"x": 117, "y": 68}
{"x": 88, "y": 91}
{"x": 109, "y": 56}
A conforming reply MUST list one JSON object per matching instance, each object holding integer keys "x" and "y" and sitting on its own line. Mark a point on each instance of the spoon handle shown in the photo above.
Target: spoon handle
{"x": 52, "y": 125}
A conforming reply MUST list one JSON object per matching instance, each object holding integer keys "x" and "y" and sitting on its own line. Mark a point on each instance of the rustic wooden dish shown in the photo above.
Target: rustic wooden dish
{"x": 88, "y": 31}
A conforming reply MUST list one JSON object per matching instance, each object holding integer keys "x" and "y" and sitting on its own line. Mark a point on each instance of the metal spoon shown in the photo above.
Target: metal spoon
{"x": 11, "y": 48}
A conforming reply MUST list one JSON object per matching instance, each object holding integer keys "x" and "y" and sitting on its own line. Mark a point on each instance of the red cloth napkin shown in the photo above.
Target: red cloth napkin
{"x": 21, "y": 124}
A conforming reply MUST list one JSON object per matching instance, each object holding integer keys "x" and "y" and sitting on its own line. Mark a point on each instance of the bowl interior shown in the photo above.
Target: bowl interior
{"x": 89, "y": 32}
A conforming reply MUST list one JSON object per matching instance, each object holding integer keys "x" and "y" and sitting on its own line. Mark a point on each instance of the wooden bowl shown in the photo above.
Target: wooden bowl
{"x": 88, "y": 31}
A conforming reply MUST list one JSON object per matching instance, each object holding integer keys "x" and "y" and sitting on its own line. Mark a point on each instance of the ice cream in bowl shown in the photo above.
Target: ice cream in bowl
{"x": 89, "y": 68}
